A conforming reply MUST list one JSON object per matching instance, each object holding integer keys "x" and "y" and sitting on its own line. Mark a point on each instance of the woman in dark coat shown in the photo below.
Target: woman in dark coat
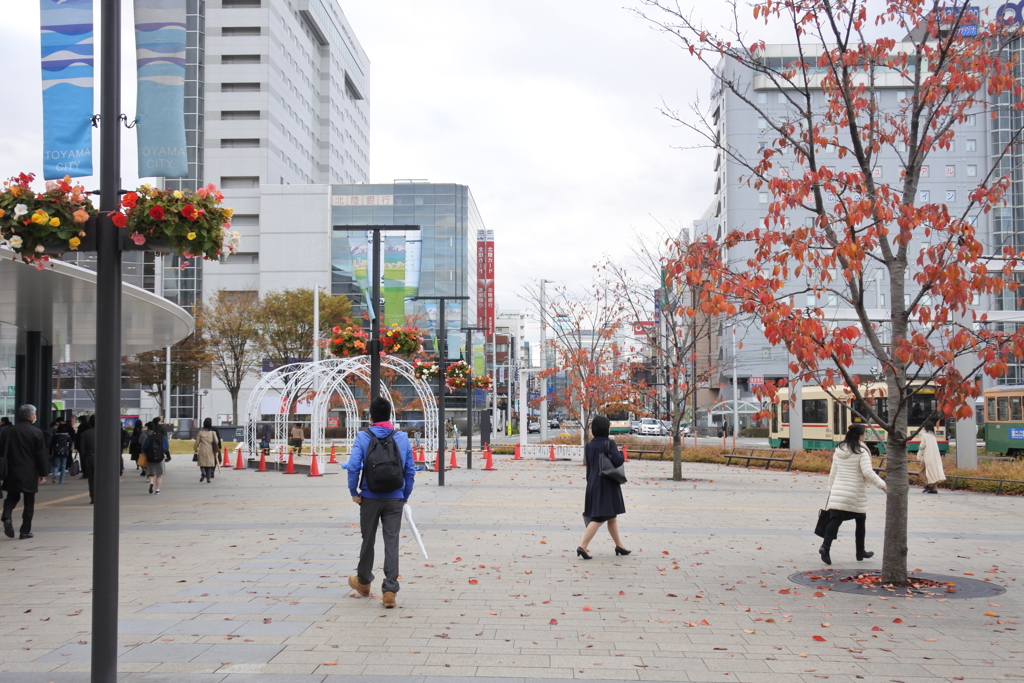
{"x": 603, "y": 502}
{"x": 135, "y": 445}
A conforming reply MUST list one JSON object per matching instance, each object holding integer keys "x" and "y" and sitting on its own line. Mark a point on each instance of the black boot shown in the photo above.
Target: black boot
{"x": 864, "y": 554}
{"x": 824, "y": 552}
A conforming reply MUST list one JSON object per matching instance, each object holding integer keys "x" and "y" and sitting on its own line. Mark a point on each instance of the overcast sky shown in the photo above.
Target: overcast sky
{"x": 547, "y": 110}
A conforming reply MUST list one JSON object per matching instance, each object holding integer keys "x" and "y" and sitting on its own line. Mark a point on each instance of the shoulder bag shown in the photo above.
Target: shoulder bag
{"x": 610, "y": 471}
{"x": 823, "y": 517}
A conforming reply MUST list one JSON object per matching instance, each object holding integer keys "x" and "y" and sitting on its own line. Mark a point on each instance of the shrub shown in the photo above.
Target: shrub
{"x": 755, "y": 432}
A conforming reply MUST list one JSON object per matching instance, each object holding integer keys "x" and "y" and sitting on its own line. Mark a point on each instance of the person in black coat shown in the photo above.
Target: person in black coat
{"x": 24, "y": 448}
{"x": 87, "y": 452}
{"x": 603, "y": 501}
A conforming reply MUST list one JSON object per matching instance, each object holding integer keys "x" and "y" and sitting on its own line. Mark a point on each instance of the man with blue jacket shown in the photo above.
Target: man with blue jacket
{"x": 382, "y": 507}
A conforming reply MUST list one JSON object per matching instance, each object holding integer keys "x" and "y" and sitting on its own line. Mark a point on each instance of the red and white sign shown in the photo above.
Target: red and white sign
{"x": 333, "y": 422}
{"x": 485, "y": 280}
{"x": 362, "y": 200}
{"x": 643, "y": 327}
{"x": 755, "y": 382}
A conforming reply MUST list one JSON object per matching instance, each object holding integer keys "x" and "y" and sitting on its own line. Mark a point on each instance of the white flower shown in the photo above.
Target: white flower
{"x": 40, "y": 249}
{"x": 20, "y": 210}
{"x": 51, "y": 185}
{"x": 15, "y": 242}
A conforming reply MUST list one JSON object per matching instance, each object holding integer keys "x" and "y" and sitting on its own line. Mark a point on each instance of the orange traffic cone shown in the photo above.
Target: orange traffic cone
{"x": 487, "y": 458}
{"x": 625, "y": 453}
{"x": 417, "y": 455}
{"x": 239, "y": 463}
{"x": 291, "y": 462}
{"x": 453, "y": 465}
{"x": 517, "y": 456}
{"x": 227, "y": 458}
{"x": 437, "y": 463}
{"x": 263, "y": 462}
{"x": 551, "y": 457}
{"x": 314, "y": 466}
{"x": 334, "y": 456}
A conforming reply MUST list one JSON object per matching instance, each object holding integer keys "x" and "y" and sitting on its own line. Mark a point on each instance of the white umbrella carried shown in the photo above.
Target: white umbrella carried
{"x": 407, "y": 511}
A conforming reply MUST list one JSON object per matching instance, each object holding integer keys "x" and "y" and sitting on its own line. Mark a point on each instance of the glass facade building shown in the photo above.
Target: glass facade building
{"x": 438, "y": 260}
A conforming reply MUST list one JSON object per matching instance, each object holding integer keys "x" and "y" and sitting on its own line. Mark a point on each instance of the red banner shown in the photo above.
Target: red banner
{"x": 485, "y": 305}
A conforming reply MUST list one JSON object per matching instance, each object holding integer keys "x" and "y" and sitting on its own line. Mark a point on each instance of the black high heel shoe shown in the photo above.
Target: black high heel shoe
{"x": 583, "y": 553}
{"x": 864, "y": 554}
{"x": 622, "y": 551}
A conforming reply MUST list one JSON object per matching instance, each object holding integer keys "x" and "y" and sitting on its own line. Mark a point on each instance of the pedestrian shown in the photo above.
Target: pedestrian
{"x": 847, "y": 491}
{"x": 603, "y": 502}
{"x": 297, "y": 434}
{"x": 931, "y": 459}
{"x": 449, "y": 432}
{"x": 135, "y": 445}
{"x": 87, "y": 452}
{"x": 23, "y": 449}
{"x": 60, "y": 452}
{"x": 206, "y": 448}
{"x": 383, "y": 457}
{"x": 158, "y": 451}
{"x": 83, "y": 424}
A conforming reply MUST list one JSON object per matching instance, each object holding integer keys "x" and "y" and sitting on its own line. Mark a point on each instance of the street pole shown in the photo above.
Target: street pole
{"x": 106, "y": 516}
{"x": 167, "y": 388}
{"x": 543, "y": 367}
{"x": 523, "y": 419}
{"x": 469, "y": 393}
{"x": 735, "y": 391}
{"x": 442, "y": 367}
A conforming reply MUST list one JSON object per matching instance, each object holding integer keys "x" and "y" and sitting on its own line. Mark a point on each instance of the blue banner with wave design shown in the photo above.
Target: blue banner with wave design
{"x": 67, "y": 61}
{"x": 160, "y": 64}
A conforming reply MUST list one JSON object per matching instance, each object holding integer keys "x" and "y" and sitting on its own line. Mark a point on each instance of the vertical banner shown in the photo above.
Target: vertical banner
{"x": 359, "y": 247}
{"x": 394, "y": 279}
{"x": 160, "y": 64}
{"x": 67, "y": 61}
{"x": 485, "y": 280}
{"x": 413, "y": 252}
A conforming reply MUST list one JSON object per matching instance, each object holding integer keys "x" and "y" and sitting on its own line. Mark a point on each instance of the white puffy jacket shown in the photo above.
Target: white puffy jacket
{"x": 847, "y": 482}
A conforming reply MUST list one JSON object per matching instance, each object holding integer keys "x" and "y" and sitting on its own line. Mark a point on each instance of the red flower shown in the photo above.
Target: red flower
{"x": 118, "y": 219}
{"x": 189, "y": 212}
{"x": 156, "y": 212}
{"x": 129, "y": 200}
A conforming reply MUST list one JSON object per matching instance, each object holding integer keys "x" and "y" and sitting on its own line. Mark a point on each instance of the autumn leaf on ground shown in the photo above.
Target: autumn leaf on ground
{"x": 747, "y": 631}
{"x": 586, "y": 608}
{"x": 704, "y": 622}
{"x": 553, "y": 622}
{"x": 473, "y": 581}
{"x": 991, "y": 614}
{"x": 820, "y": 639}
{"x": 825, "y": 624}
{"x": 897, "y": 620}
{"x": 334, "y": 663}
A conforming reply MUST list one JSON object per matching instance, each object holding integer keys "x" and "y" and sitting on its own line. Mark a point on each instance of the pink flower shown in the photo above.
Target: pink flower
{"x": 81, "y": 216}
{"x": 138, "y": 238}
{"x": 202, "y": 192}
{"x": 40, "y": 264}
{"x": 184, "y": 264}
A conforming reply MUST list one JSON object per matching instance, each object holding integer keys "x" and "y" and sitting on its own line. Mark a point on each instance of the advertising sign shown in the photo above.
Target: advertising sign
{"x": 485, "y": 280}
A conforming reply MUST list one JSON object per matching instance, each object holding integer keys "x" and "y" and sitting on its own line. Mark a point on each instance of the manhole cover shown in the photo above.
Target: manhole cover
{"x": 922, "y": 584}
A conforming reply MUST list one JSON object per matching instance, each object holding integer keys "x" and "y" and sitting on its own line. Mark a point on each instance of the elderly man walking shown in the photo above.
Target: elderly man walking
{"x": 24, "y": 449}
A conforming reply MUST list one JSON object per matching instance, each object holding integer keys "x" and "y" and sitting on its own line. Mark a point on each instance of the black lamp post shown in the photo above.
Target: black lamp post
{"x": 442, "y": 365}
{"x": 469, "y": 392}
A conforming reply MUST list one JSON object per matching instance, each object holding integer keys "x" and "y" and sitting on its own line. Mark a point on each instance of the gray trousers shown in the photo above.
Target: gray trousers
{"x": 388, "y": 513}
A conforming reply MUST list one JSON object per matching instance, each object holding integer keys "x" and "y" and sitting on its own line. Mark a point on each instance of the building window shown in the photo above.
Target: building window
{"x": 239, "y": 87}
{"x": 233, "y": 143}
{"x": 972, "y": 145}
{"x": 240, "y": 115}
{"x": 876, "y": 172}
{"x": 238, "y": 182}
{"x": 901, "y": 146}
{"x": 972, "y": 171}
{"x": 950, "y": 195}
{"x": 766, "y": 352}
{"x": 241, "y": 31}
{"x": 762, "y": 197}
{"x": 761, "y": 147}
{"x": 762, "y": 98}
{"x": 950, "y": 171}
{"x": 762, "y": 122}
{"x": 239, "y": 59}
{"x": 781, "y": 98}
{"x": 241, "y": 4}
{"x": 924, "y": 171}
{"x": 901, "y": 95}
{"x": 972, "y": 120}
{"x": 830, "y": 148}
{"x": 810, "y": 300}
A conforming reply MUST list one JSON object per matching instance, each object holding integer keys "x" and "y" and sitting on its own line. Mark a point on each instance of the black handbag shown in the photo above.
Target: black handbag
{"x": 610, "y": 471}
{"x": 823, "y": 518}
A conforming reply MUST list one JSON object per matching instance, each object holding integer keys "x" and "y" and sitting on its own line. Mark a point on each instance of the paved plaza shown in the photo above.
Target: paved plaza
{"x": 244, "y": 580}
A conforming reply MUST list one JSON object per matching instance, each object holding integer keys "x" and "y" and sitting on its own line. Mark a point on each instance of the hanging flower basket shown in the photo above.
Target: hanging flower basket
{"x": 482, "y": 382}
{"x": 456, "y": 375}
{"x": 38, "y": 225}
{"x": 401, "y": 341}
{"x": 349, "y": 341}
{"x": 425, "y": 370}
{"x": 190, "y": 224}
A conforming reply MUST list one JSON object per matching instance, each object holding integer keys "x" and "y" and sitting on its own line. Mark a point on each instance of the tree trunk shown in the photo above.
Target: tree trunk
{"x": 677, "y": 456}
{"x": 894, "y": 556}
{"x": 234, "y": 406}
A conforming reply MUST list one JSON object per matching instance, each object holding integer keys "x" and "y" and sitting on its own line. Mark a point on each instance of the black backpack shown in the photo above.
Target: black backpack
{"x": 154, "y": 448}
{"x": 61, "y": 444}
{"x": 382, "y": 466}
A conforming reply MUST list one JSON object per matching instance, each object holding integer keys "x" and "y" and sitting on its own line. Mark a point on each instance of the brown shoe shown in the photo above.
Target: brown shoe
{"x": 389, "y": 599}
{"x": 361, "y": 588}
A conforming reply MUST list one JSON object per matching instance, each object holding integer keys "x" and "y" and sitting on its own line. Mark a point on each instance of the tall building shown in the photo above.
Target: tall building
{"x": 949, "y": 177}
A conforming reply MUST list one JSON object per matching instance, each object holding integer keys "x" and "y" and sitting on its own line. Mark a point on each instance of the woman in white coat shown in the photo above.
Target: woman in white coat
{"x": 847, "y": 494}
{"x": 931, "y": 459}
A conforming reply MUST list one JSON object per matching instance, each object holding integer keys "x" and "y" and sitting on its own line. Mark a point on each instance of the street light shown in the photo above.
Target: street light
{"x": 543, "y": 367}
{"x": 442, "y": 364}
{"x": 469, "y": 393}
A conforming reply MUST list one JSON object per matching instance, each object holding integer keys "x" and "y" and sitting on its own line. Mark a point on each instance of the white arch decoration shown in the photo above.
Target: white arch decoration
{"x": 318, "y": 382}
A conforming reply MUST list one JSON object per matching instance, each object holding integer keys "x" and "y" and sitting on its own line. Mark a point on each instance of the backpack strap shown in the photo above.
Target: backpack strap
{"x": 362, "y": 473}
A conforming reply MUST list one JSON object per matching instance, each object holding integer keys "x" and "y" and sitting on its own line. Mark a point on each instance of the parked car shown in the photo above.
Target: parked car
{"x": 533, "y": 426}
{"x": 554, "y": 424}
{"x": 650, "y": 427}
{"x": 634, "y": 427}
{"x": 666, "y": 427}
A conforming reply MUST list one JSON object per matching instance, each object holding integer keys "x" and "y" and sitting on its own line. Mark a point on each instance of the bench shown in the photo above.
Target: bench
{"x": 880, "y": 467}
{"x": 999, "y": 489}
{"x": 765, "y": 455}
{"x": 639, "y": 452}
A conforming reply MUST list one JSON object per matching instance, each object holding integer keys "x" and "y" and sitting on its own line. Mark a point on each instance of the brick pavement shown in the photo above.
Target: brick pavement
{"x": 244, "y": 580}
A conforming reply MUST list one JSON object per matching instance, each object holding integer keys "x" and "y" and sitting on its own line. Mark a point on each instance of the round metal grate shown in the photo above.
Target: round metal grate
{"x": 923, "y": 584}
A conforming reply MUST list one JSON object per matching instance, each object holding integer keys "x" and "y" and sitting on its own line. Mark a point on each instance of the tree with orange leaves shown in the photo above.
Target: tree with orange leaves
{"x": 830, "y": 231}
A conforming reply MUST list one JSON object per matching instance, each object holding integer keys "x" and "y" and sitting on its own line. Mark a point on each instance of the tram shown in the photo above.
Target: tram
{"x": 1004, "y": 420}
{"x": 826, "y": 419}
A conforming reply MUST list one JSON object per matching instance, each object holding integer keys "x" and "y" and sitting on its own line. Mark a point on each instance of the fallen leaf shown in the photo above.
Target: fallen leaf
{"x": 897, "y": 620}
{"x": 553, "y": 622}
{"x": 473, "y": 581}
{"x": 704, "y": 622}
{"x": 820, "y": 639}
{"x": 586, "y": 608}
{"x": 746, "y": 631}
{"x": 334, "y": 663}
{"x": 825, "y": 624}
{"x": 991, "y": 614}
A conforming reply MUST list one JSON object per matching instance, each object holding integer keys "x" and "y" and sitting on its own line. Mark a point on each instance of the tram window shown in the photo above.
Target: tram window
{"x": 919, "y": 407}
{"x": 1015, "y": 409}
{"x": 816, "y": 411}
{"x": 785, "y": 412}
{"x": 1002, "y": 408}
{"x": 882, "y": 408}
{"x": 991, "y": 410}
{"x": 860, "y": 411}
